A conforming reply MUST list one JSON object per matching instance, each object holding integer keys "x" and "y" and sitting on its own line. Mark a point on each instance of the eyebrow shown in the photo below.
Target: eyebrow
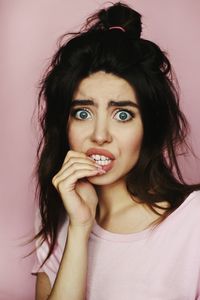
{"x": 78, "y": 102}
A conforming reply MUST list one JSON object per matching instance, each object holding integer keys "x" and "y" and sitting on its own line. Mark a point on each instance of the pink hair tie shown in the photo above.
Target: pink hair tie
{"x": 117, "y": 27}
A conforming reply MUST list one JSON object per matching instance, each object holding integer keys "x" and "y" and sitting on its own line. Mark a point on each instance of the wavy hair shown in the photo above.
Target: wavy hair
{"x": 156, "y": 175}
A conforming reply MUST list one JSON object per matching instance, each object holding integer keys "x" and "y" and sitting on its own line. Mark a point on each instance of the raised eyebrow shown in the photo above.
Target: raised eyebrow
{"x": 121, "y": 103}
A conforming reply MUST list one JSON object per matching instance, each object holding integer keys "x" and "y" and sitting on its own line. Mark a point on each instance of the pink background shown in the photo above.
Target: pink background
{"x": 28, "y": 32}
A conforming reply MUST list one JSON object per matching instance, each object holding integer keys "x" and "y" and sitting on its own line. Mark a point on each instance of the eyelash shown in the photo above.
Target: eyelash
{"x": 74, "y": 112}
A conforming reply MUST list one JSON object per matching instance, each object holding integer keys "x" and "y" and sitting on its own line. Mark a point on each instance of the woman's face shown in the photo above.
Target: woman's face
{"x": 105, "y": 116}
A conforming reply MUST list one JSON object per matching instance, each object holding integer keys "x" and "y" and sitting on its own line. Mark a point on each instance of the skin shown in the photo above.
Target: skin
{"x": 87, "y": 192}
{"x": 103, "y": 127}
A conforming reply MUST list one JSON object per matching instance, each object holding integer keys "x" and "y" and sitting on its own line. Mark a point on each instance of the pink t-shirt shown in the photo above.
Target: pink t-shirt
{"x": 163, "y": 264}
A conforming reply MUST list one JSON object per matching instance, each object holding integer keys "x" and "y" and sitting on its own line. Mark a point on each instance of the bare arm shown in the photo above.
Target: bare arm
{"x": 80, "y": 200}
{"x": 43, "y": 286}
{"x": 70, "y": 283}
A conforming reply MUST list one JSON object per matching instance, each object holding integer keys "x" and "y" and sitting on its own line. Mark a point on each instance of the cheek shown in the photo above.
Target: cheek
{"x": 75, "y": 134}
{"x": 131, "y": 142}
{"x": 136, "y": 143}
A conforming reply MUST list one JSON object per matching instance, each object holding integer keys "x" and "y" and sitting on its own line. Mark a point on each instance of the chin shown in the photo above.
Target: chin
{"x": 100, "y": 180}
{"x": 103, "y": 180}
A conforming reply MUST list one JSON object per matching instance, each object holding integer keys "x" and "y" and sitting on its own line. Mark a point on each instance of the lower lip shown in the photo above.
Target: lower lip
{"x": 107, "y": 167}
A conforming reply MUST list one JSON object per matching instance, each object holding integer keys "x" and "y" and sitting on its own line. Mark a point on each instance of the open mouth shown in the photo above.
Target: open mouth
{"x": 101, "y": 159}
{"x": 105, "y": 162}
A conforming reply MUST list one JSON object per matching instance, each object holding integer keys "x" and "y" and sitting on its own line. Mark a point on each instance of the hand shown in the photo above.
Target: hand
{"x": 78, "y": 194}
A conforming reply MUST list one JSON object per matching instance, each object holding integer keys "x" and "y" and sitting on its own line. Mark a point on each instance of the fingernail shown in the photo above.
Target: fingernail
{"x": 98, "y": 166}
{"x": 91, "y": 158}
{"x": 101, "y": 171}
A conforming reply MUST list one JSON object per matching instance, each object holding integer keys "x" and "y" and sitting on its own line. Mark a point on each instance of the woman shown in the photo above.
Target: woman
{"x": 117, "y": 219}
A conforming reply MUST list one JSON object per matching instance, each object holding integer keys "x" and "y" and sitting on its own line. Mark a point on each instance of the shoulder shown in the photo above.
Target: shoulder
{"x": 182, "y": 225}
{"x": 192, "y": 202}
{"x": 62, "y": 227}
{"x": 50, "y": 267}
{"x": 43, "y": 247}
{"x": 188, "y": 213}
{"x": 61, "y": 237}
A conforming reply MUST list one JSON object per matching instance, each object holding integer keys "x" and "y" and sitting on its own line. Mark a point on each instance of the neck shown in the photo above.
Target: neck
{"x": 113, "y": 199}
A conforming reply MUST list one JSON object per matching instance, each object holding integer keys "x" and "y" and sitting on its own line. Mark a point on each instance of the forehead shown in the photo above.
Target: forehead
{"x": 105, "y": 86}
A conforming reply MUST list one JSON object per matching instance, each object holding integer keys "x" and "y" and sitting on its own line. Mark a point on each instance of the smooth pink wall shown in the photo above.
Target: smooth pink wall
{"x": 28, "y": 32}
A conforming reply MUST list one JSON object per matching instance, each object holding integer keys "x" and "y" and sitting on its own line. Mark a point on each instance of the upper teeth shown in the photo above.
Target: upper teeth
{"x": 99, "y": 157}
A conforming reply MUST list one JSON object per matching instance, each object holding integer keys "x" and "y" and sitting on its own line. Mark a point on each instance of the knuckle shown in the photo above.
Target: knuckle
{"x": 72, "y": 160}
{"x": 68, "y": 156}
{"x": 53, "y": 180}
{"x": 69, "y": 153}
{"x": 60, "y": 186}
{"x": 75, "y": 172}
{"x": 74, "y": 165}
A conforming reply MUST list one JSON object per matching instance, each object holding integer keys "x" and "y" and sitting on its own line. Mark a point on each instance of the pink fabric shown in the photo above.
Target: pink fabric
{"x": 154, "y": 265}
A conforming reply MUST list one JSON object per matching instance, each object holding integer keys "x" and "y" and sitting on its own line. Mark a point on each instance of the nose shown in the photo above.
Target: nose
{"x": 101, "y": 133}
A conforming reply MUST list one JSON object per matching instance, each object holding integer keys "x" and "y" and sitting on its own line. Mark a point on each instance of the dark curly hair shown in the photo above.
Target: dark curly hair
{"x": 156, "y": 175}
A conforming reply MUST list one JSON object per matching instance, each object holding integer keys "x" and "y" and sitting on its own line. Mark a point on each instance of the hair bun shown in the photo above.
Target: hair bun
{"x": 123, "y": 16}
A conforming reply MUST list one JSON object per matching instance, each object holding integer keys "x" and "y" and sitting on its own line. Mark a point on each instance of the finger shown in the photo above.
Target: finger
{"x": 74, "y": 160}
{"x": 67, "y": 183}
{"x": 73, "y": 168}
{"x": 72, "y": 153}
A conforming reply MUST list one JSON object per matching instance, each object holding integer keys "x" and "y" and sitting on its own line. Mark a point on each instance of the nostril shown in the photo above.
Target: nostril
{"x": 101, "y": 138}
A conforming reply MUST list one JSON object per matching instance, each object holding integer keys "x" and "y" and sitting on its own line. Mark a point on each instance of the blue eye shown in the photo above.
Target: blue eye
{"x": 124, "y": 115}
{"x": 81, "y": 114}
{"x": 84, "y": 114}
